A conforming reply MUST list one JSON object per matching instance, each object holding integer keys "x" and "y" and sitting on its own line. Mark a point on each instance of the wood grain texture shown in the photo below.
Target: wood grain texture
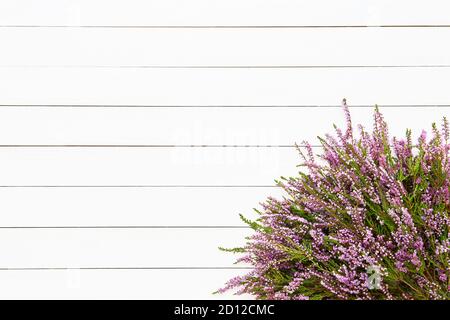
{"x": 123, "y": 248}
{"x": 109, "y": 47}
{"x": 129, "y": 206}
{"x": 116, "y": 284}
{"x": 155, "y": 167}
{"x": 224, "y": 86}
{"x": 191, "y": 126}
{"x": 218, "y": 12}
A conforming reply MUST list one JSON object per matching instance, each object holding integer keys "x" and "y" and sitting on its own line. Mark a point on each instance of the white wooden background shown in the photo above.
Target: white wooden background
{"x": 132, "y": 133}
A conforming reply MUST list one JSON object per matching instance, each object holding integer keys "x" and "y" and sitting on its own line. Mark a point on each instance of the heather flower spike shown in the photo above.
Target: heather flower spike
{"x": 369, "y": 219}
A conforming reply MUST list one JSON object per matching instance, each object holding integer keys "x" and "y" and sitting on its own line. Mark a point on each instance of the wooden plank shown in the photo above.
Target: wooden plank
{"x": 194, "y": 126}
{"x": 118, "y": 248}
{"x": 224, "y": 47}
{"x": 117, "y": 284}
{"x": 217, "y": 12}
{"x": 156, "y": 166}
{"x": 129, "y": 206}
{"x": 224, "y": 86}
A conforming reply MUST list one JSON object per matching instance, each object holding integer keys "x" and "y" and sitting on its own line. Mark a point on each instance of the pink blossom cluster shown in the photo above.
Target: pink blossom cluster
{"x": 367, "y": 219}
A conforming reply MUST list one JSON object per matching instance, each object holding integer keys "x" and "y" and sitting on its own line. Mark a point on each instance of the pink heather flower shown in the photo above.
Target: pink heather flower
{"x": 415, "y": 260}
{"x": 368, "y": 219}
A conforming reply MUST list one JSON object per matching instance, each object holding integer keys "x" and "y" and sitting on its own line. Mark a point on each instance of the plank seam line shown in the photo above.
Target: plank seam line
{"x": 431, "y": 66}
{"x": 139, "y": 186}
{"x": 219, "y": 106}
{"x": 228, "y": 26}
{"x": 124, "y": 227}
{"x": 120, "y": 268}
{"x": 142, "y": 146}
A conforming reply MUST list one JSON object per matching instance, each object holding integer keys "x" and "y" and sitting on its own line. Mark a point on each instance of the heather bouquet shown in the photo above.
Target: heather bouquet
{"x": 367, "y": 218}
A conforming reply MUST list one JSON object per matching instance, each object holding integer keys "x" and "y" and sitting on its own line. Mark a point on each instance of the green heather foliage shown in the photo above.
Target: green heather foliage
{"x": 368, "y": 220}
